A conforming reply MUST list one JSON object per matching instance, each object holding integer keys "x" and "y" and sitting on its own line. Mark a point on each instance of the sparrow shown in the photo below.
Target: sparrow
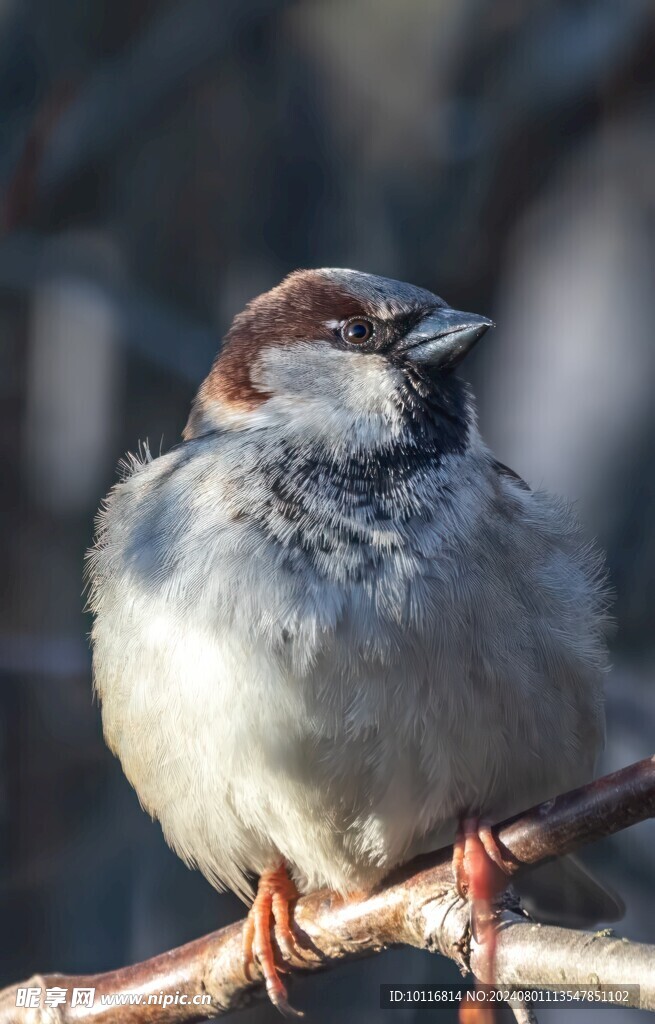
{"x": 329, "y": 626}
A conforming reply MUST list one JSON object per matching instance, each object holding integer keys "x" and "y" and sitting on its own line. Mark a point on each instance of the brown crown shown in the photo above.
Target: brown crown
{"x": 296, "y": 310}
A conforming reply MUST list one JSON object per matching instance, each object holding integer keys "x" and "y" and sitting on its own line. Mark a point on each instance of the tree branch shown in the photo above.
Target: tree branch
{"x": 417, "y": 906}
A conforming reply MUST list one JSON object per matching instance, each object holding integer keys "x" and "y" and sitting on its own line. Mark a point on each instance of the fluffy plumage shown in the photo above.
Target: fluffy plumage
{"x": 329, "y": 623}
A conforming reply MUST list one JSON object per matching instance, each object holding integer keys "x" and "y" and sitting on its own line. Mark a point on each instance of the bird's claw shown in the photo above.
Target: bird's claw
{"x": 480, "y": 876}
{"x": 478, "y": 865}
{"x": 270, "y": 913}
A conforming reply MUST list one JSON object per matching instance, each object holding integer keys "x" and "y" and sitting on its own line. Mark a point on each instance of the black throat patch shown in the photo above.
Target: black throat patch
{"x": 324, "y": 503}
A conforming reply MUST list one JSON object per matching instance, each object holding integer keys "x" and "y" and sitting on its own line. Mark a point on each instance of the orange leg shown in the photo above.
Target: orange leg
{"x": 480, "y": 877}
{"x": 270, "y": 912}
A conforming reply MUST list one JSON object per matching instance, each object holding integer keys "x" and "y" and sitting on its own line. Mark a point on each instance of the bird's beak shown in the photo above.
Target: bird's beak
{"x": 443, "y": 337}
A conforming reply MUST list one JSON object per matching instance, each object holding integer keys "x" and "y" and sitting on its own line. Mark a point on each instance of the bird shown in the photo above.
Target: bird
{"x": 329, "y": 625}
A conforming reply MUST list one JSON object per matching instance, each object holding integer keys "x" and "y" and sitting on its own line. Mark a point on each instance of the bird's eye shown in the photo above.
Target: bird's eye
{"x": 357, "y": 331}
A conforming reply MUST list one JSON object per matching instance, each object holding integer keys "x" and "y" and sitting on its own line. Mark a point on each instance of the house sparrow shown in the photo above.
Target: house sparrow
{"x": 329, "y": 625}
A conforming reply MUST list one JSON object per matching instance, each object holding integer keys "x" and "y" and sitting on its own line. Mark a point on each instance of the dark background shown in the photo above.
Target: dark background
{"x": 161, "y": 163}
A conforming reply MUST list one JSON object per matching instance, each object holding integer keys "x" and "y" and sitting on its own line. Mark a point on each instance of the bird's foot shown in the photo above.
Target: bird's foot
{"x": 480, "y": 877}
{"x": 270, "y": 912}
{"x": 478, "y": 864}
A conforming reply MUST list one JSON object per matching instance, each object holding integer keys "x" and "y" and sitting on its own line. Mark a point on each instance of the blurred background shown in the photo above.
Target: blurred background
{"x": 161, "y": 162}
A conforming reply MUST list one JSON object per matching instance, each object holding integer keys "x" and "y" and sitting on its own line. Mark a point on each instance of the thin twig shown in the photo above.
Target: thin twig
{"x": 523, "y": 1014}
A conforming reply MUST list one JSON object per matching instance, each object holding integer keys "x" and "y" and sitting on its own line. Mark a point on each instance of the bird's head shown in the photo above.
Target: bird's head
{"x": 342, "y": 356}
